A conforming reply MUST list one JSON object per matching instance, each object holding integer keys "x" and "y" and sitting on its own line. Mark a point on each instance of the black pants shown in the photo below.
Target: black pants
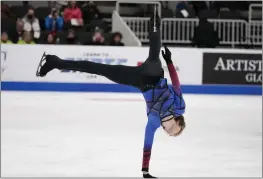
{"x": 141, "y": 77}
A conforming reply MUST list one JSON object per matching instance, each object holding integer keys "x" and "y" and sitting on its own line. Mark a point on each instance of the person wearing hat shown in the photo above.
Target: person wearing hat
{"x": 116, "y": 39}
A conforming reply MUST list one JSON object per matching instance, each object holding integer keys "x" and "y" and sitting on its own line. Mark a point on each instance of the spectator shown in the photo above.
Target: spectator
{"x": 19, "y": 31}
{"x": 5, "y": 11}
{"x": 166, "y": 11}
{"x": 199, "y": 6}
{"x": 4, "y": 38}
{"x": 50, "y": 39}
{"x": 27, "y": 39}
{"x": 204, "y": 35}
{"x": 53, "y": 21}
{"x": 90, "y": 12}
{"x": 182, "y": 9}
{"x": 73, "y": 15}
{"x": 97, "y": 38}
{"x": 31, "y": 23}
{"x": 116, "y": 39}
{"x": 71, "y": 38}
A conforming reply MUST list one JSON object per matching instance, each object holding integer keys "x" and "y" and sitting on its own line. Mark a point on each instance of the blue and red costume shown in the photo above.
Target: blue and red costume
{"x": 162, "y": 99}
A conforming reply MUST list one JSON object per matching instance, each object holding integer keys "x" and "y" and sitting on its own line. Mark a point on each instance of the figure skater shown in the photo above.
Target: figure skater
{"x": 165, "y": 103}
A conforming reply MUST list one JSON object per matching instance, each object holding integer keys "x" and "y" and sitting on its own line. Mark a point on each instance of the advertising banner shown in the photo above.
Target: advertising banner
{"x": 232, "y": 68}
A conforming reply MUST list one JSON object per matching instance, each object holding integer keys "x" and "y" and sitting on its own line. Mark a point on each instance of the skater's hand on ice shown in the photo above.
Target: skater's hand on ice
{"x": 167, "y": 55}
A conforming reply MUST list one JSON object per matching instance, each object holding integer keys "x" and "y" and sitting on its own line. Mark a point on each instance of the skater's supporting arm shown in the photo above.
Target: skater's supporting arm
{"x": 152, "y": 125}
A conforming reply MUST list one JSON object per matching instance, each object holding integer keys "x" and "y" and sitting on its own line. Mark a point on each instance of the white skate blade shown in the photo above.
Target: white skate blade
{"x": 40, "y": 64}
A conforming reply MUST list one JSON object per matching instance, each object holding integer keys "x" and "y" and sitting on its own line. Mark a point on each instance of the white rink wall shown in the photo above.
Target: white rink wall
{"x": 201, "y": 71}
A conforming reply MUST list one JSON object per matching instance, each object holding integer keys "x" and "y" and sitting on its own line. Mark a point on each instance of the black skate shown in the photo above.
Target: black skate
{"x": 46, "y": 64}
{"x": 147, "y": 175}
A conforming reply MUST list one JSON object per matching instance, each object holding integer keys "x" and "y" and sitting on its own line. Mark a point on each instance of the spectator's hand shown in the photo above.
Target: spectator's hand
{"x": 102, "y": 40}
{"x": 80, "y": 22}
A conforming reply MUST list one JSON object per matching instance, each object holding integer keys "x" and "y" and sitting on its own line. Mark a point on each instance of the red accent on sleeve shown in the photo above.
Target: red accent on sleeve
{"x": 174, "y": 77}
{"x": 146, "y": 159}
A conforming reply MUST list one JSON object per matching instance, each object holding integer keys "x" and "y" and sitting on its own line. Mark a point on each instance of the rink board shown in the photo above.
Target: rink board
{"x": 201, "y": 71}
{"x": 96, "y": 87}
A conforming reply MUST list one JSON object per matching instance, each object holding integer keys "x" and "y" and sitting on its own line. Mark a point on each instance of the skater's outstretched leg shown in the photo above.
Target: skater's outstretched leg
{"x": 153, "y": 66}
{"x": 127, "y": 75}
{"x": 149, "y": 73}
{"x": 154, "y": 38}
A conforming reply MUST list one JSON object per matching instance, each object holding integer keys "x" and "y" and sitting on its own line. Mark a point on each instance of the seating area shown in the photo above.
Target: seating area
{"x": 238, "y": 24}
{"x": 57, "y": 20}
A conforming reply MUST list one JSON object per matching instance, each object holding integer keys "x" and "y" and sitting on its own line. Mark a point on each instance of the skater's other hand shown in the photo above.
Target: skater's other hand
{"x": 167, "y": 55}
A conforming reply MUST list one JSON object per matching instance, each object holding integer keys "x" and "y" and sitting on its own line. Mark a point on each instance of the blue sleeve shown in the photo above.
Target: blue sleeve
{"x": 152, "y": 125}
{"x": 47, "y": 23}
{"x": 60, "y": 23}
{"x": 180, "y": 105}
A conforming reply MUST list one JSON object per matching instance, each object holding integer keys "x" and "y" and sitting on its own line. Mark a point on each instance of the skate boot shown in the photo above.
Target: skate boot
{"x": 147, "y": 175}
{"x": 46, "y": 64}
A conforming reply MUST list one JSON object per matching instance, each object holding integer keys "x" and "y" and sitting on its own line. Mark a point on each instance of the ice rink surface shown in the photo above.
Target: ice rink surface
{"x": 95, "y": 134}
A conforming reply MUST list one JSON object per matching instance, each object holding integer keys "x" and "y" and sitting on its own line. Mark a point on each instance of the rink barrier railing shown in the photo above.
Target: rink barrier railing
{"x": 181, "y": 30}
{"x": 119, "y": 25}
{"x": 255, "y": 26}
{"x": 255, "y": 33}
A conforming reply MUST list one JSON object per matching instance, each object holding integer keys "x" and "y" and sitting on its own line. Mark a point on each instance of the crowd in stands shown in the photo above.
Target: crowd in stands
{"x": 210, "y": 9}
{"x": 71, "y": 23}
{"x": 205, "y": 36}
{"x": 81, "y": 22}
